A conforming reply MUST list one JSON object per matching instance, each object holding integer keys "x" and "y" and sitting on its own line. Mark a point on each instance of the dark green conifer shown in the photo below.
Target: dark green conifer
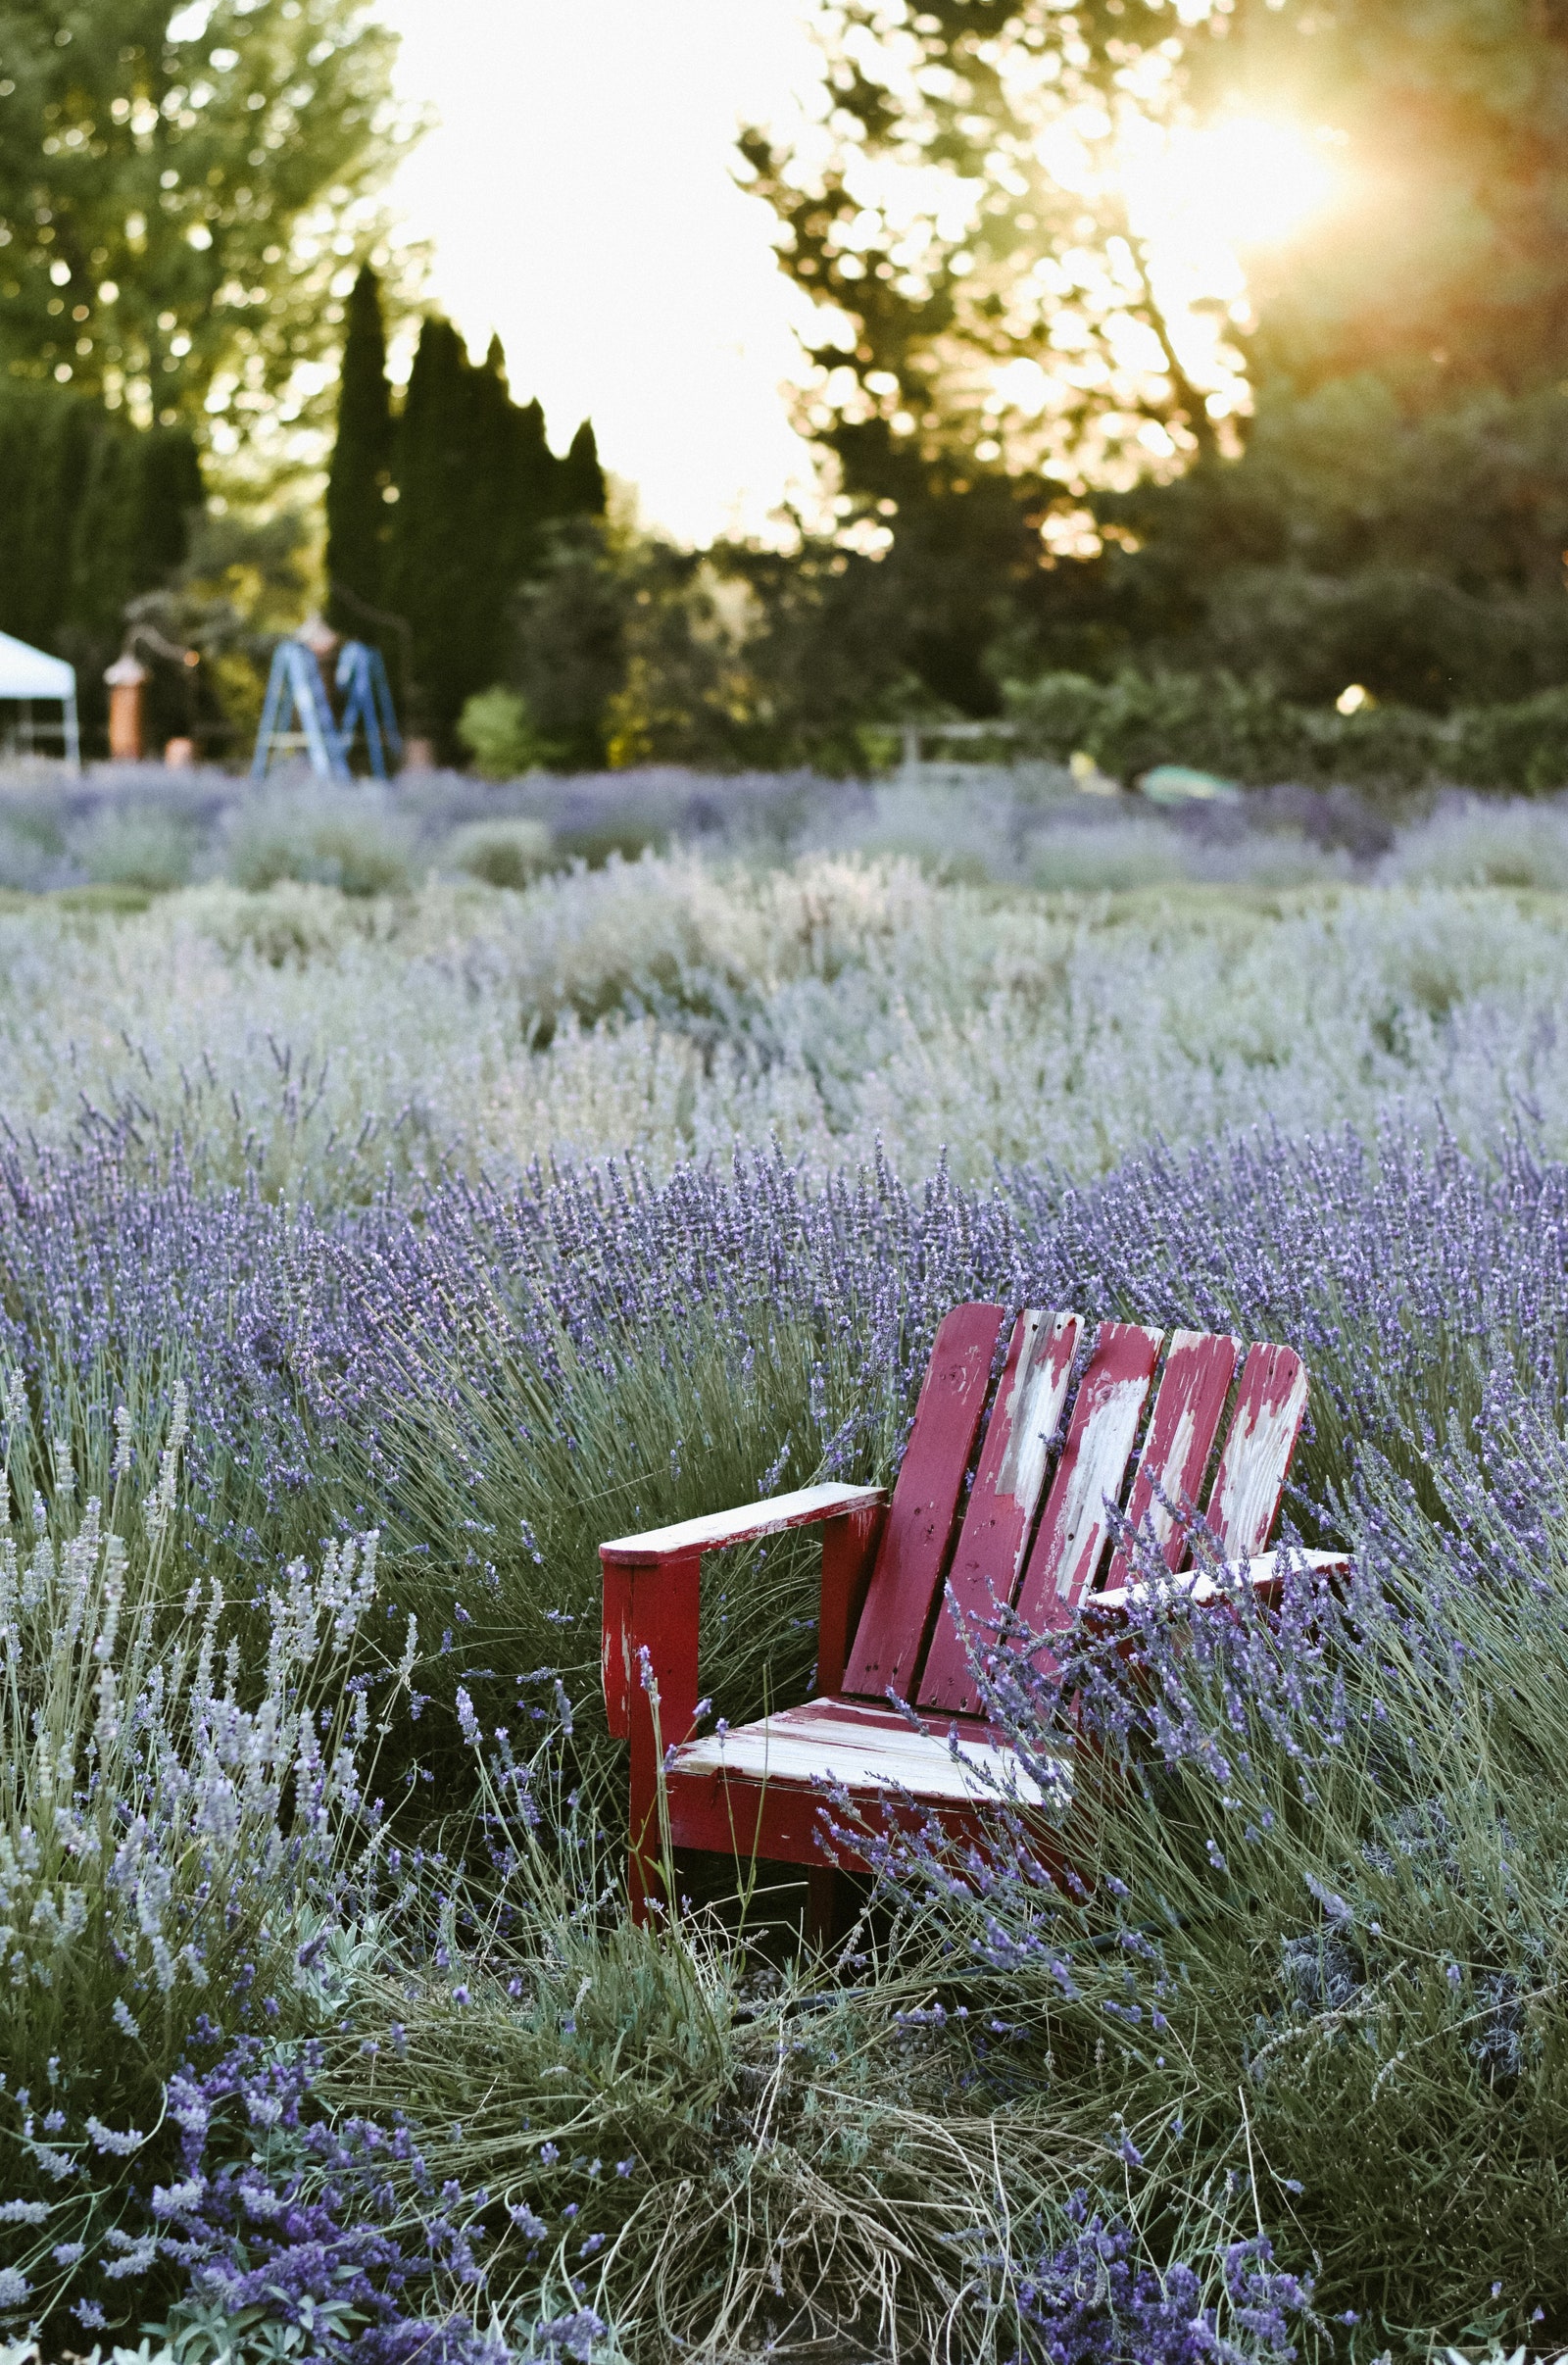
{"x": 358, "y": 514}
{"x": 480, "y": 488}
{"x": 582, "y": 480}
{"x": 427, "y": 576}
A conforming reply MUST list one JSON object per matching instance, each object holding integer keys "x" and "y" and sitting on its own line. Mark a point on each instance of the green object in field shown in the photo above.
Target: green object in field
{"x": 1180, "y": 784}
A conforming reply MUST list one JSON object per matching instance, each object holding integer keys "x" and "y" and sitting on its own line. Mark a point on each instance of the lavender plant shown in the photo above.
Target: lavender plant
{"x": 1308, "y": 1965}
{"x": 166, "y": 1848}
{"x": 499, "y": 1375}
{"x": 331, "y": 1046}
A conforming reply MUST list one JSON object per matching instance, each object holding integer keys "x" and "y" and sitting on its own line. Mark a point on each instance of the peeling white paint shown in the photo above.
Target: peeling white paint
{"x": 1251, "y": 1475}
{"x": 1099, "y": 1470}
{"x": 1171, "y": 1478}
{"x": 868, "y": 1748}
{"x": 740, "y": 1526}
{"x": 1261, "y": 1571}
{"x": 1034, "y": 1409}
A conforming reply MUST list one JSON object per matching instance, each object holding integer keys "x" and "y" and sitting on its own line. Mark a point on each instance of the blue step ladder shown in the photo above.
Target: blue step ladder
{"x": 367, "y": 704}
{"x": 297, "y": 716}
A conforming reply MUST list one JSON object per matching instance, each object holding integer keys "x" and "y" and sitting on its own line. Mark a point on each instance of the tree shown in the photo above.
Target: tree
{"x": 425, "y": 562}
{"x": 581, "y": 483}
{"x": 100, "y": 516}
{"x": 986, "y": 293}
{"x": 998, "y": 337}
{"x": 478, "y": 488}
{"x": 175, "y": 211}
{"x": 358, "y": 514}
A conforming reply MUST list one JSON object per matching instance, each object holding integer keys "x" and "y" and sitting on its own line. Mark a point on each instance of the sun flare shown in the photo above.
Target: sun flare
{"x": 1244, "y": 182}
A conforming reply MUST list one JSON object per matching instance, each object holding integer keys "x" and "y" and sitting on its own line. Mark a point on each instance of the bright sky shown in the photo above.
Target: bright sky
{"x": 577, "y": 194}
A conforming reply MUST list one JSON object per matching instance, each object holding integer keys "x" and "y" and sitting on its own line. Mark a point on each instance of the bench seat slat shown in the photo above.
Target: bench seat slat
{"x": 862, "y": 1747}
{"x": 912, "y": 1556}
{"x": 1200, "y": 1366}
{"x": 1073, "y": 1528}
{"x": 1007, "y": 1487}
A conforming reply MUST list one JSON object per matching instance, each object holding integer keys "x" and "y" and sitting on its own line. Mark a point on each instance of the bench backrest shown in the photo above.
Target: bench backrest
{"x": 1042, "y": 1561}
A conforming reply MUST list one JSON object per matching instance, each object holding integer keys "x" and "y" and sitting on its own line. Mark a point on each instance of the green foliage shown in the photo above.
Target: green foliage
{"x": 1243, "y": 732}
{"x": 97, "y": 512}
{"x": 161, "y": 199}
{"x": 97, "y": 516}
{"x": 357, "y": 523}
{"x": 735, "y": 2139}
{"x": 1398, "y": 515}
{"x": 478, "y": 487}
{"x": 498, "y": 732}
{"x": 569, "y": 656}
{"x": 629, "y": 651}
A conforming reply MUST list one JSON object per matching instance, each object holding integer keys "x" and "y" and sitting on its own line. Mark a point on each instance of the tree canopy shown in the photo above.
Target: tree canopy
{"x": 477, "y": 489}
{"x": 1365, "y": 476}
{"x": 181, "y": 193}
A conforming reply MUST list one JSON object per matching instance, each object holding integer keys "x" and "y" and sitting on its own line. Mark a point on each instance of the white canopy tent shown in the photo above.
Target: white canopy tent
{"x": 28, "y": 675}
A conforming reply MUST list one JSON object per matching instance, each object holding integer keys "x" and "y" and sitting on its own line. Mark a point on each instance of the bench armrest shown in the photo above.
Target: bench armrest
{"x": 1264, "y": 1573}
{"x": 740, "y": 1526}
{"x": 652, "y": 1595}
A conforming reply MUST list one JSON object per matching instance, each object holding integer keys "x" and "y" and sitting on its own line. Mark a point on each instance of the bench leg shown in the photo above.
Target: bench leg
{"x": 821, "y": 1904}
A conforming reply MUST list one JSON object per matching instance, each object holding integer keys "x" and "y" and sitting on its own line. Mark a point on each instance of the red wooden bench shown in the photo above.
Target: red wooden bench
{"x": 893, "y": 1575}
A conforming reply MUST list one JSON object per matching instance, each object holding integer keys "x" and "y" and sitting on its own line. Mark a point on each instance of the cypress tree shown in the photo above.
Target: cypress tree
{"x": 358, "y": 514}
{"x": 581, "y": 482}
{"x": 131, "y": 528}
{"x": 427, "y": 578}
{"x": 497, "y": 465}
{"x": 99, "y": 513}
{"x": 478, "y": 488}
{"x": 46, "y": 447}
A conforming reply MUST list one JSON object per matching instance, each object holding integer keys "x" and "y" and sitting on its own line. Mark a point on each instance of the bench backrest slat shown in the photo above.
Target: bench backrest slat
{"x": 1002, "y": 1507}
{"x": 1101, "y": 1437}
{"x": 1270, "y": 1407}
{"x": 912, "y": 1556}
{"x": 1192, "y": 1388}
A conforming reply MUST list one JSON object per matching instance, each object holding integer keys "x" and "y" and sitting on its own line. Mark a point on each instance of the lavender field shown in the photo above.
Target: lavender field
{"x": 378, "y": 1242}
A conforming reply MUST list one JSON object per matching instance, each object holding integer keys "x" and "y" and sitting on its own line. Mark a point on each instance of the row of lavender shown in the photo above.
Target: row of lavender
{"x": 361, "y": 1812}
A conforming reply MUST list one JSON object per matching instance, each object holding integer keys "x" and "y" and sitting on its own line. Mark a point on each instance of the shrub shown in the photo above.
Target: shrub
{"x": 1520, "y": 745}
{"x": 135, "y": 846}
{"x": 1315, "y": 1953}
{"x": 164, "y": 1845}
{"x": 1478, "y": 842}
{"x": 1245, "y": 731}
{"x": 349, "y": 838}
{"x": 498, "y": 732}
{"x": 504, "y": 854}
{"x": 1133, "y": 851}
{"x": 30, "y": 855}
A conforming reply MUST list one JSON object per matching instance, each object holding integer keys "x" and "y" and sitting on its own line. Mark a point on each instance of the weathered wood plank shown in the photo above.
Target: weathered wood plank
{"x": 1104, "y": 1430}
{"x": 911, "y": 1561}
{"x": 863, "y": 1748}
{"x": 1006, "y": 1496}
{"x": 1265, "y": 1573}
{"x": 1270, "y": 1407}
{"x": 1192, "y": 1388}
{"x": 743, "y": 1525}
